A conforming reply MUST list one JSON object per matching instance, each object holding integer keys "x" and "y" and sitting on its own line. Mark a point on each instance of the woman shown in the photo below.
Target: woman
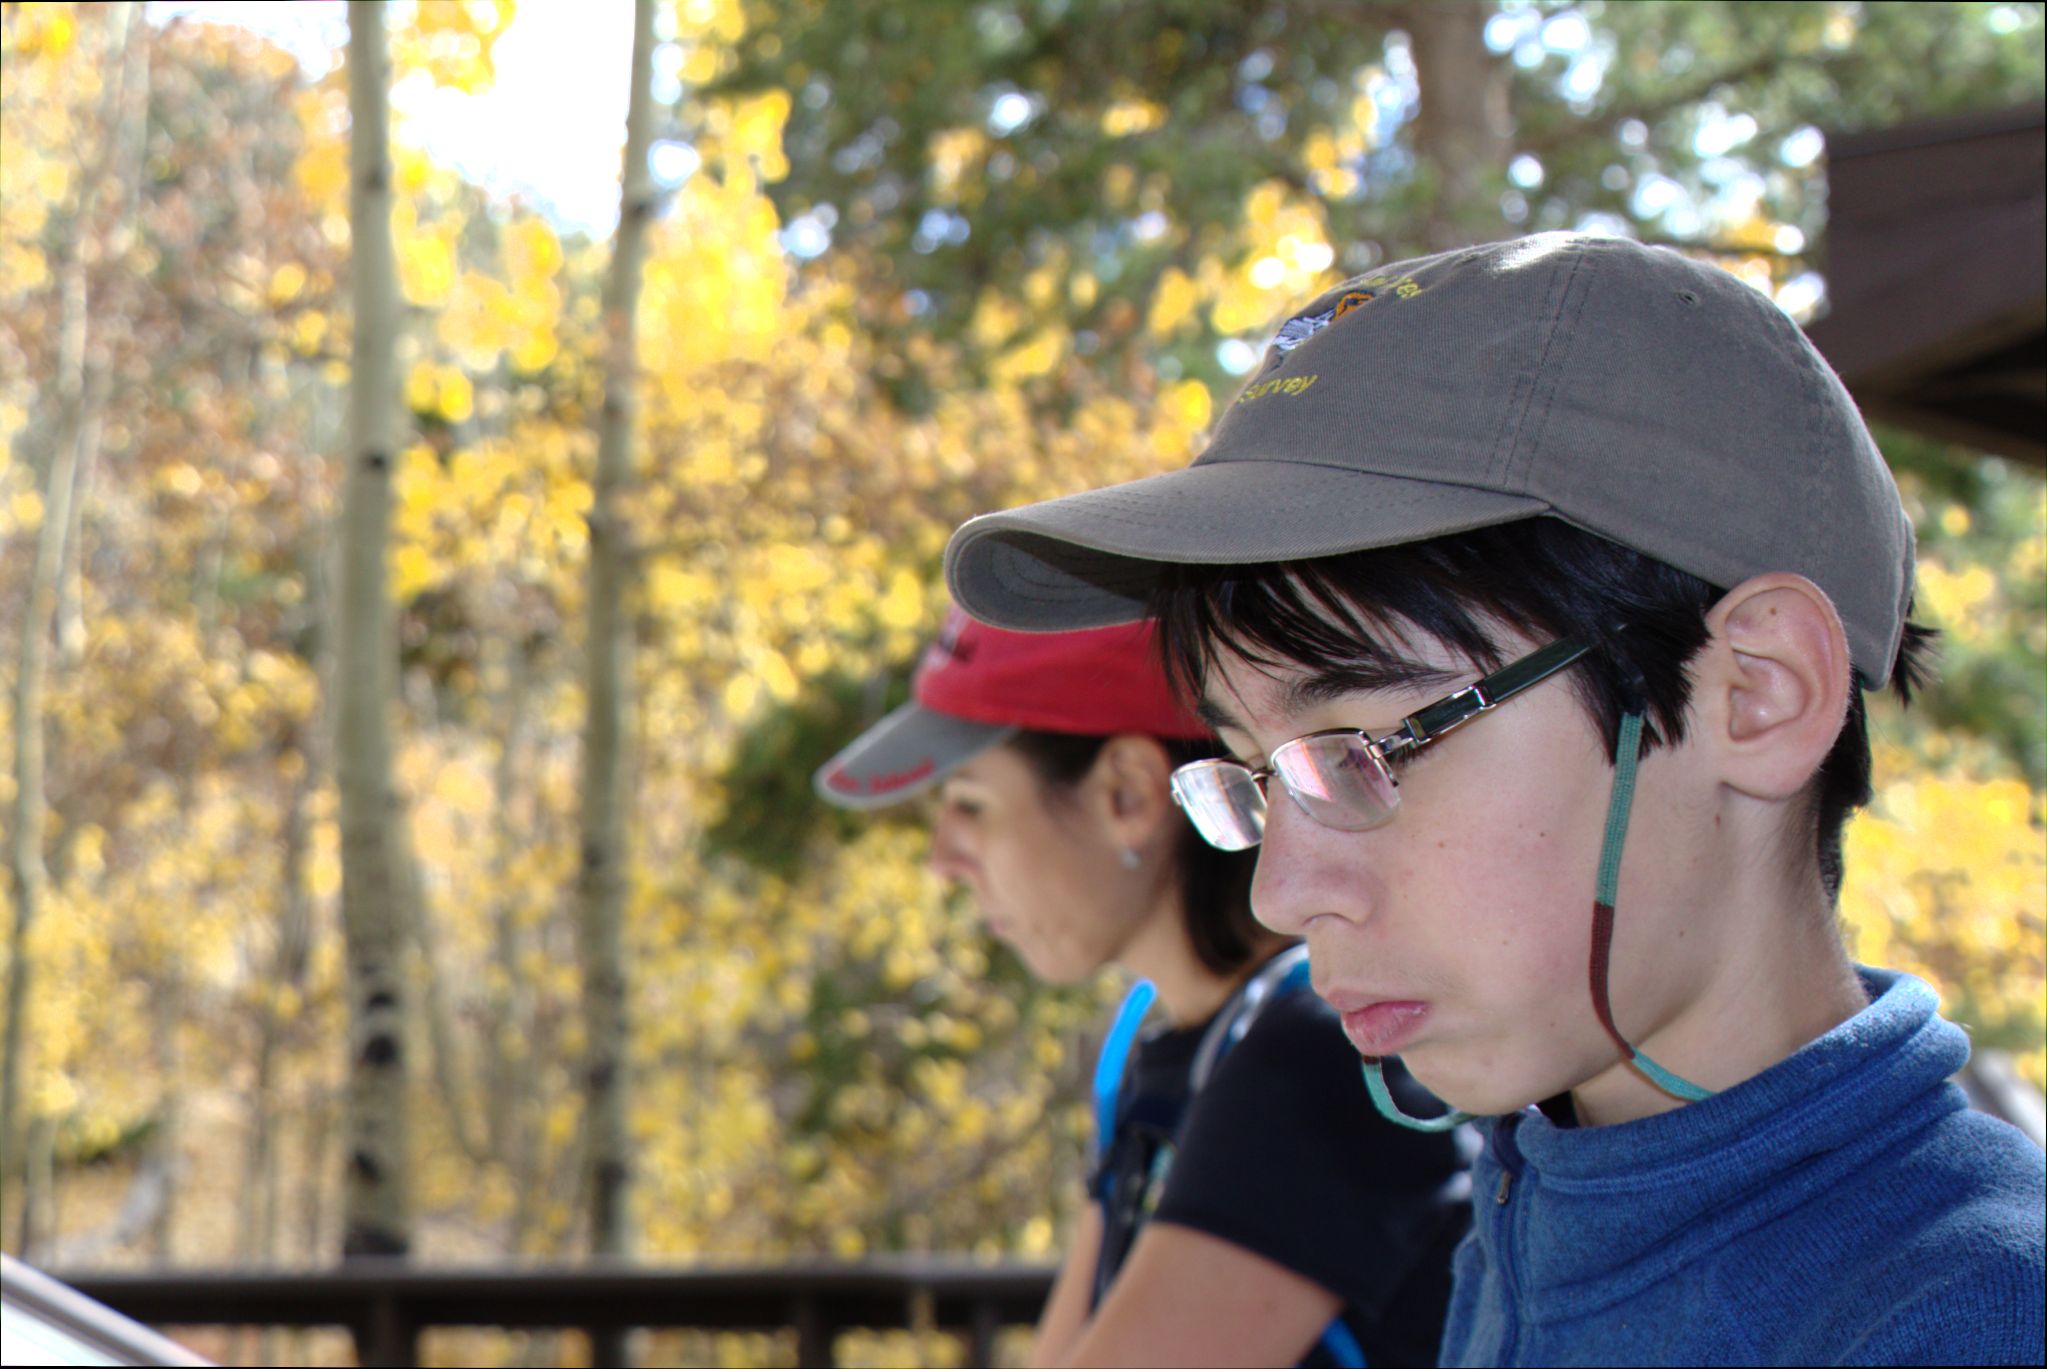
{"x": 1248, "y": 1204}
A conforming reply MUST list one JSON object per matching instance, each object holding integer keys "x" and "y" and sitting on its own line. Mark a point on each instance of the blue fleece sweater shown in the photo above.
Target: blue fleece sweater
{"x": 1842, "y": 1207}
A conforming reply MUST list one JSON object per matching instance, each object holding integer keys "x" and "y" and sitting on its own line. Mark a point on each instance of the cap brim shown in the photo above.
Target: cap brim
{"x": 1092, "y": 559}
{"x": 904, "y": 754}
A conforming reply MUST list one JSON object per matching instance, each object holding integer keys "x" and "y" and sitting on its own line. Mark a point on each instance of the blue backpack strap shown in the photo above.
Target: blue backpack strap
{"x": 1276, "y": 978}
{"x": 1115, "y": 1058}
{"x": 1286, "y": 973}
{"x": 1342, "y": 1345}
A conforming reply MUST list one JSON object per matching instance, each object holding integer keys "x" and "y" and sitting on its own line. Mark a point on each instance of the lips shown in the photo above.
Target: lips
{"x": 1382, "y": 1027}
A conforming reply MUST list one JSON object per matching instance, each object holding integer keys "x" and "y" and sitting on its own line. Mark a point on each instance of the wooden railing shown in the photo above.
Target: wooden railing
{"x": 387, "y": 1303}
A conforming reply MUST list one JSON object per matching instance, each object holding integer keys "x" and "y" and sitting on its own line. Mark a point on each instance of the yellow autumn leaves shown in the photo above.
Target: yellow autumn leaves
{"x": 1947, "y": 878}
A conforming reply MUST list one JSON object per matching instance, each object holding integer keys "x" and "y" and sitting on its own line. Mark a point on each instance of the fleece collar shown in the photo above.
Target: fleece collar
{"x": 1605, "y": 1212}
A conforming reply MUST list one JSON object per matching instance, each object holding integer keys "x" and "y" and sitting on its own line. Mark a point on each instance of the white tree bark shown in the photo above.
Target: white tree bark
{"x": 124, "y": 172}
{"x": 601, "y": 877}
{"x": 79, "y": 385}
{"x": 377, "y": 1216}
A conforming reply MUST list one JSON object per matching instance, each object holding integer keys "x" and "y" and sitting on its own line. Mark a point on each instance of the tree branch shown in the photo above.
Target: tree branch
{"x": 1723, "y": 249}
{"x": 1648, "y": 111}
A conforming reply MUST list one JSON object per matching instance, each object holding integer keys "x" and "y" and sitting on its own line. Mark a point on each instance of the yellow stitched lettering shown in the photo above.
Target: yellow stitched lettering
{"x": 1287, "y": 385}
{"x": 1407, "y": 287}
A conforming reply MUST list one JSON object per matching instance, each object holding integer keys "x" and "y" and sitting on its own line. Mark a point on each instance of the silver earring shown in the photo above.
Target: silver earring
{"x": 1131, "y": 860}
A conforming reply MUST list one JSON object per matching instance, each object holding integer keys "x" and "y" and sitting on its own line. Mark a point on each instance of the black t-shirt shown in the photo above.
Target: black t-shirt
{"x": 1282, "y": 1153}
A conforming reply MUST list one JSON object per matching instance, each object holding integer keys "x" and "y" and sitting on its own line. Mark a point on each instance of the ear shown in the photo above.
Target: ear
{"x": 1771, "y": 687}
{"x": 1132, "y": 780}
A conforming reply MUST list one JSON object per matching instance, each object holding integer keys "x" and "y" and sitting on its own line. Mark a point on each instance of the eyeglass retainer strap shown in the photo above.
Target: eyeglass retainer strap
{"x": 1605, "y": 901}
{"x": 1627, "y": 756}
{"x": 1389, "y": 1108}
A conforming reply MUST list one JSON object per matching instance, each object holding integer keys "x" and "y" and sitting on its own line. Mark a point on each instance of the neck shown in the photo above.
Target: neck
{"x": 1189, "y": 991}
{"x": 1756, "y": 973}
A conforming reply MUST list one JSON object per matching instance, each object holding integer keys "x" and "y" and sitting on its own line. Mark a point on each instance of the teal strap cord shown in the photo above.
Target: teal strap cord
{"x": 1627, "y": 759}
{"x": 1671, "y": 1084}
{"x": 1627, "y": 762}
{"x": 1627, "y": 754}
{"x": 1382, "y": 1099}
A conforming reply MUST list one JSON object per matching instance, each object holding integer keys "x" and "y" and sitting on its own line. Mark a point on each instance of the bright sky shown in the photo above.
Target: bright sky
{"x": 549, "y": 130}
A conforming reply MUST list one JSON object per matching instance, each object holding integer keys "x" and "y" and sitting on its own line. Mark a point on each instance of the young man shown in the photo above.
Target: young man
{"x": 1617, "y": 497}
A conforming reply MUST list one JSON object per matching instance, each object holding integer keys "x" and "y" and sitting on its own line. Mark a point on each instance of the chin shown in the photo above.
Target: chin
{"x": 1480, "y": 1092}
{"x": 1050, "y": 968}
{"x": 1058, "y": 975}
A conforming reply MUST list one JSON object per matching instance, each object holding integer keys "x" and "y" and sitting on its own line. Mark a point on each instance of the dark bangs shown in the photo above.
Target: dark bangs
{"x": 1354, "y": 621}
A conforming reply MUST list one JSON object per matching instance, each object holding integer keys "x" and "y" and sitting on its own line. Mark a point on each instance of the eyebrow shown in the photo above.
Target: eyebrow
{"x": 1334, "y": 683}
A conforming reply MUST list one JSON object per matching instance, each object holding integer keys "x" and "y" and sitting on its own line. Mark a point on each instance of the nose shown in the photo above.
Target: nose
{"x": 1306, "y": 870}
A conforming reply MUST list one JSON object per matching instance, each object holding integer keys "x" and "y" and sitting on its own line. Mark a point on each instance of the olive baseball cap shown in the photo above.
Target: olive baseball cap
{"x": 1629, "y": 390}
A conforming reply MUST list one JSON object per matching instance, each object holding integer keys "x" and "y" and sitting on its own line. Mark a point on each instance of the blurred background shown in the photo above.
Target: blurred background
{"x": 899, "y": 262}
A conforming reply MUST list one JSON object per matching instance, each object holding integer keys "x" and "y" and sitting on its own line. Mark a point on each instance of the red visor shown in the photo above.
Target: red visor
{"x": 1097, "y": 682}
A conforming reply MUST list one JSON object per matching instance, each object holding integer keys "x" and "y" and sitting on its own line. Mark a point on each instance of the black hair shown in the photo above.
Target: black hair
{"x": 1351, "y": 618}
{"x": 1215, "y": 886}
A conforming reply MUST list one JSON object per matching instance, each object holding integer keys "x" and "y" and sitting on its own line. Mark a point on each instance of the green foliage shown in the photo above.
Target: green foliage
{"x": 1671, "y": 75}
{"x": 80, "y": 1141}
{"x": 953, "y": 150}
{"x": 771, "y": 818}
{"x": 956, "y": 149}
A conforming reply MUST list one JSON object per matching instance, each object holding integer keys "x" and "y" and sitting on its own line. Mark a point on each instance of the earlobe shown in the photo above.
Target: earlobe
{"x": 1774, "y": 682}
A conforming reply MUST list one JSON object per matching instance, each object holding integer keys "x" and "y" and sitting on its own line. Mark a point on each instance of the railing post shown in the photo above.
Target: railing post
{"x": 609, "y": 1346}
{"x": 386, "y": 1337}
{"x": 815, "y": 1334}
{"x": 981, "y": 1336}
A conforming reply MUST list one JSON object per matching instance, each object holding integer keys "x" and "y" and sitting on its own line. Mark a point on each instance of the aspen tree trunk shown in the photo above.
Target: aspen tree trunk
{"x": 1464, "y": 128}
{"x": 256, "y": 1230}
{"x": 38, "y": 1217}
{"x": 309, "y": 745}
{"x": 256, "y": 1238}
{"x": 167, "y": 1146}
{"x": 127, "y": 146}
{"x": 79, "y": 381}
{"x": 507, "y": 1106}
{"x": 450, "y": 1080}
{"x": 27, "y": 874}
{"x": 377, "y": 1215}
{"x": 601, "y": 878}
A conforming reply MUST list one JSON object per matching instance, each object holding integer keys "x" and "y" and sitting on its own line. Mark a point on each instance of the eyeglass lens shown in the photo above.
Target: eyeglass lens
{"x": 1338, "y": 781}
{"x": 1223, "y": 802}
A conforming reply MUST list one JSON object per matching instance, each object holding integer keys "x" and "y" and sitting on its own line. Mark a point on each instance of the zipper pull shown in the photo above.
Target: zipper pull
{"x": 1506, "y": 1183}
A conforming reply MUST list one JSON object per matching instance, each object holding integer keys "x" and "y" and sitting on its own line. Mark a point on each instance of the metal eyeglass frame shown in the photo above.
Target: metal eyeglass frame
{"x": 1417, "y": 729}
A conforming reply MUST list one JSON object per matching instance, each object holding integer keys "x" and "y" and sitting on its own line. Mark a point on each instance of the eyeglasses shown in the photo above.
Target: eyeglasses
{"x": 1343, "y": 778}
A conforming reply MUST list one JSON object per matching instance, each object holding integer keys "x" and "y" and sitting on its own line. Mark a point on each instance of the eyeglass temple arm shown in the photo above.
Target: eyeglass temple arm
{"x": 1495, "y": 689}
